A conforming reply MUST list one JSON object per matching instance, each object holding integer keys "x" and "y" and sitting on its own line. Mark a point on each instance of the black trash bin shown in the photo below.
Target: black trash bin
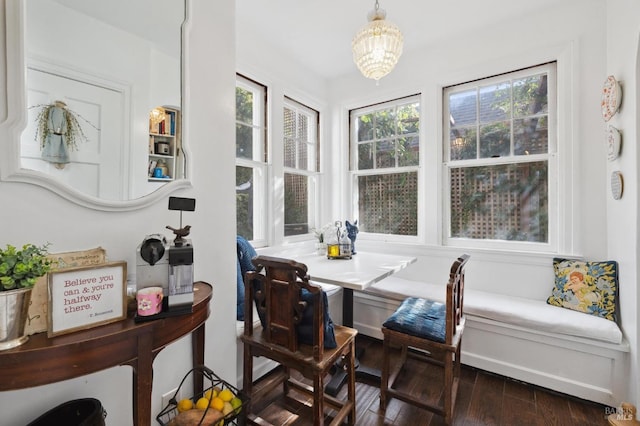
{"x": 79, "y": 412}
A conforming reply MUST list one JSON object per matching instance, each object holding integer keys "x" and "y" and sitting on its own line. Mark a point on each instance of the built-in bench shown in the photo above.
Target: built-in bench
{"x": 529, "y": 340}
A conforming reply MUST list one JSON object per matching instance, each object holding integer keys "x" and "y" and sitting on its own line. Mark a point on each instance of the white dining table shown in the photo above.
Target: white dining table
{"x": 358, "y": 273}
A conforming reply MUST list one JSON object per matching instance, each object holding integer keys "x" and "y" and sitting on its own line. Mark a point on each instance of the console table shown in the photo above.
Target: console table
{"x": 43, "y": 360}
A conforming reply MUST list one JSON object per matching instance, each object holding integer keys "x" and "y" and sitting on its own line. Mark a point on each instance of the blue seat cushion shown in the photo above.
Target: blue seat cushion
{"x": 420, "y": 318}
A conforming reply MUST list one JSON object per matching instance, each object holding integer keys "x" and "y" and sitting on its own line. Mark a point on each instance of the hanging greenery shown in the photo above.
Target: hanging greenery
{"x": 69, "y": 127}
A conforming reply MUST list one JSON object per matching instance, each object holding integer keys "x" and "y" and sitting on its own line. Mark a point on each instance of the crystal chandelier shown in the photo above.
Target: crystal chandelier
{"x": 377, "y": 46}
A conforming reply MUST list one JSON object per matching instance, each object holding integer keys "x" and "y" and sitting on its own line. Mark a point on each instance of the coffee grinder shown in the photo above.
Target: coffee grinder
{"x": 180, "y": 294}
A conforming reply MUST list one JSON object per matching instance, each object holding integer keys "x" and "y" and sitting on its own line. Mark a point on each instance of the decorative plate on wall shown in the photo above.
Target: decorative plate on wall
{"x": 611, "y": 98}
{"x": 616, "y": 185}
{"x": 614, "y": 143}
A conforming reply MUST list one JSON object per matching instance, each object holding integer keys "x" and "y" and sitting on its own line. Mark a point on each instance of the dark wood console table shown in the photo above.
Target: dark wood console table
{"x": 43, "y": 360}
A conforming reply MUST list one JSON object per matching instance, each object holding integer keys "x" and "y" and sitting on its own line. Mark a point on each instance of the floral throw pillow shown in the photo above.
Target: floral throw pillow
{"x": 589, "y": 287}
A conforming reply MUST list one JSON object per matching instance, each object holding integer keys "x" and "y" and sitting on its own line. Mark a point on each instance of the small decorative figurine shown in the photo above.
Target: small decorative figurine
{"x": 180, "y": 233}
{"x": 352, "y": 231}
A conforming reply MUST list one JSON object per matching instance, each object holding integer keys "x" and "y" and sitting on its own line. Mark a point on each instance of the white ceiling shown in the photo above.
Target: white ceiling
{"x": 319, "y": 33}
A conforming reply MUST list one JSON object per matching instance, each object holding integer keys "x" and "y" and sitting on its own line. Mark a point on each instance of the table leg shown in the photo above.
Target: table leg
{"x": 339, "y": 378}
{"x": 197, "y": 357}
{"x": 143, "y": 381}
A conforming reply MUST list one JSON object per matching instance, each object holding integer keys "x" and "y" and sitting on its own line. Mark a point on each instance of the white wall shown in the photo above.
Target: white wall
{"x": 32, "y": 214}
{"x": 623, "y": 62}
{"x": 284, "y": 76}
{"x": 587, "y": 51}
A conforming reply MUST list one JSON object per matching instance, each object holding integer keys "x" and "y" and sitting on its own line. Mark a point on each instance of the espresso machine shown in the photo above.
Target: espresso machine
{"x": 169, "y": 264}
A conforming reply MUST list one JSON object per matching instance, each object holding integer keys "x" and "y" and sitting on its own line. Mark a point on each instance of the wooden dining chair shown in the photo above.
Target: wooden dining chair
{"x": 431, "y": 331}
{"x": 283, "y": 296}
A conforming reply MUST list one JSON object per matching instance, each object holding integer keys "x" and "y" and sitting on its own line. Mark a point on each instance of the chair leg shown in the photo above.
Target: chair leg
{"x": 351, "y": 392}
{"x": 448, "y": 388}
{"x": 384, "y": 380}
{"x": 318, "y": 400}
{"x": 247, "y": 376}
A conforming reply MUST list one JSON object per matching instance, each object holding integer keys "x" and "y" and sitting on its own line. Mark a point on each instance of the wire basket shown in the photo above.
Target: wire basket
{"x": 170, "y": 412}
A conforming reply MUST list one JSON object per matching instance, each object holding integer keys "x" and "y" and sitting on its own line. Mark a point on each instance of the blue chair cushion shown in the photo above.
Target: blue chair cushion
{"x": 420, "y": 318}
{"x": 246, "y": 252}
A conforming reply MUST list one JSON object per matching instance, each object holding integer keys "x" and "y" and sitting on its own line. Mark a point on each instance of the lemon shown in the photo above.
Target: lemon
{"x": 185, "y": 405}
{"x": 202, "y": 403}
{"x": 217, "y": 403}
{"x": 226, "y": 395}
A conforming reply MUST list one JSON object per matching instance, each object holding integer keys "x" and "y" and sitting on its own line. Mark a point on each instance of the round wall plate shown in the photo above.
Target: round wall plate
{"x": 616, "y": 185}
{"x": 614, "y": 143}
{"x": 611, "y": 98}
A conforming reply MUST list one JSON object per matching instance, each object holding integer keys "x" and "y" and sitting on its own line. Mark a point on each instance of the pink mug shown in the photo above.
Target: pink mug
{"x": 149, "y": 301}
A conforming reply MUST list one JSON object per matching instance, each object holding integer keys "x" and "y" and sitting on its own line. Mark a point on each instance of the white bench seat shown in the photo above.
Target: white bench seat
{"x": 560, "y": 349}
{"x": 527, "y": 313}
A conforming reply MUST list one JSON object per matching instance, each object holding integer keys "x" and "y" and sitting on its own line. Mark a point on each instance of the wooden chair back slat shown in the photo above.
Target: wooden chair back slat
{"x": 455, "y": 297}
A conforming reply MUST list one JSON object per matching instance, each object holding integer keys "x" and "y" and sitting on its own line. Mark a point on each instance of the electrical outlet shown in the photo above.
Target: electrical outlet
{"x": 166, "y": 397}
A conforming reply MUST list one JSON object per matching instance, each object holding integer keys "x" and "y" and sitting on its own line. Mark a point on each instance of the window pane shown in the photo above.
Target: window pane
{"x": 296, "y": 202}
{"x": 244, "y": 105}
{"x": 462, "y": 108}
{"x": 385, "y": 123}
{"x": 365, "y": 156}
{"x": 408, "y": 119}
{"x": 505, "y": 202}
{"x": 244, "y": 201}
{"x": 388, "y": 204}
{"x": 495, "y": 140}
{"x": 385, "y": 154}
{"x": 463, "y": 144}
{"x": 364, "y": 127}
{"x": 303, "y": 156}
{"x": 289, "y": 123}
{"x": 244, "y": 141}
{"x": 530, "y": 96}
{"x": 495, "y": 103}
{"x": 531, "y": 135}
{"x": 408, "y": 151}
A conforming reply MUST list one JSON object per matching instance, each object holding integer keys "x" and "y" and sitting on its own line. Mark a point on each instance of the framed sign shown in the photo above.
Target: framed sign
{"x": 86, "y": 296}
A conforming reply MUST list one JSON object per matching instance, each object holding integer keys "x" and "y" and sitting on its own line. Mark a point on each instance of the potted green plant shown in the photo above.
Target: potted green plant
{"x": 19, "y": 271}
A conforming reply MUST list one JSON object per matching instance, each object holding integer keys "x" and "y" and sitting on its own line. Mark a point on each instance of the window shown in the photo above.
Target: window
{"x": 251, "y": 161}
{"x": 385, "y": 148}
{"x": 300, "y": 135}
{"x": 498, "y": 157}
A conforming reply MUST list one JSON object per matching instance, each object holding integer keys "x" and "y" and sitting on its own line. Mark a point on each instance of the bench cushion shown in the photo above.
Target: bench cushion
{"x": 522, "y": 312}
{"x": 420, "y": 318}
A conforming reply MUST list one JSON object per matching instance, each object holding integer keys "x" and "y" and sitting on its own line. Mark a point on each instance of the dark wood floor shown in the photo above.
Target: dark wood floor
{"x": 483, "y": 399}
